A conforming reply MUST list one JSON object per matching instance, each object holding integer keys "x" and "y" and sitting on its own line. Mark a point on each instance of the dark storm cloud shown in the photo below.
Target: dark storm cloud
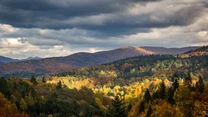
{"x": 101, "y": 17}
{"x": 52, "y": 14}
{"x": 129, "y": 24}
{"x": 62, "y": 9}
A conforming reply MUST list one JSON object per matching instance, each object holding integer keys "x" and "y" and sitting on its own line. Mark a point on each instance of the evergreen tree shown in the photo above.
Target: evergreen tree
{"x": 118, "y": 109}
{"x": 141, "y": 107}
{"x": 43, "y": 79}
{"x": 59, "y": 85}
{"x": 149, "y": 111}
{"x": 200, "y": 85}
{"x": 170, "y": 95}
{"x": 174, "y": 77}
{"x": 172, "y": 90}
{"x": 147, "y": 96}
{"x": 162, "y": 93}
{"x": 175, "y": 84}
{"x": 188, "y": 79}
{"x": 129, "y": 107}
{"x": 33, "y": 80}
{"x": 155, "y": 95}
{"x": 4, "y": 88}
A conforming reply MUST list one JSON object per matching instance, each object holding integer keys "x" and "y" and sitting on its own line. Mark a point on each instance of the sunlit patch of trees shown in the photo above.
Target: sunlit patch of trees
{"x": 150, "y": 97}
{"x": 161, "y": 66}
{"x": 145, "y": 86}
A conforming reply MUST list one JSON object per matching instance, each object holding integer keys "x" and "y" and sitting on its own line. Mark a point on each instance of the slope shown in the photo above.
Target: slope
{"x": 173, "y": 51}
{"x": 149, "y": 66}
{"x": 7, "y": 60}
{"x": 197, "y": 52}
{"x": 31, "y": 58}
{"x": 1, "y": 62}
{"x": 60, "y": 64}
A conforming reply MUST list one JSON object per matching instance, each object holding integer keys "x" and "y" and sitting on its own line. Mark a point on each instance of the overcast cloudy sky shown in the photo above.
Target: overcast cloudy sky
{"x": 48, "y": 28}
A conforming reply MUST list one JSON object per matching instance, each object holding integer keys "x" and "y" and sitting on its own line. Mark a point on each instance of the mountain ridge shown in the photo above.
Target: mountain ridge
{"x": 4, "y": 59}
{"x": 81, "y": 59}
{"x": 174, "y": 51}
{"x": 31, "y": 58}
{"x": 197, "y": 52}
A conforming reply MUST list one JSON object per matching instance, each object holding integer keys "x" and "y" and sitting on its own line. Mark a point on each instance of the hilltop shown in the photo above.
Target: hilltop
{"x": 77, "y": 60}
{"x": 197, "y": 52}
{"x": 7, "y": 60}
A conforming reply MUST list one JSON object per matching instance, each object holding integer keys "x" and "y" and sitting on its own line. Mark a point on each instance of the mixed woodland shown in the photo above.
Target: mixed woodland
{"x": 142, "y": 86}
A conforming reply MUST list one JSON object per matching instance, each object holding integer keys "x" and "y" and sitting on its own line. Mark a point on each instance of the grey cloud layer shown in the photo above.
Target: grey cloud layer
{"x": 77, "y": 25}
{"x": 106, "y": 17}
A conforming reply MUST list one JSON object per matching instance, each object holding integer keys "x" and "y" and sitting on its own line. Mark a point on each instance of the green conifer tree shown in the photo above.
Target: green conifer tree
{"x": 200, "y": 85}
{"x": 43, "y": 79}
{"x": 33, "y": 80}
{"x": 147, "y": 96}
{"x": 118, "y": 108}
{"x": 4, "y": 88}
{"x": 162, "y": 92}
{"x": 188, "y": 79}
{"x": 149, "y": 111}
{"x": 141, "y": 107}
{"x": 175, "y": 84}
{"x": 59, "y": 85}
{"x": 170, "y": 95}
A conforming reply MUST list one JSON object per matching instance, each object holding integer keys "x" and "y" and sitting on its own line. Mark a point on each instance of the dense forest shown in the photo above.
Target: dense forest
{"x": 84, "y": 97}
{"x": 143, "y": 86}
{"x": 162, "y": 66}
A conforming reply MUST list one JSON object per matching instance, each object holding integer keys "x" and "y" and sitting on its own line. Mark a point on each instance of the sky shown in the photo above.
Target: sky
{"x": 48, "y": 28}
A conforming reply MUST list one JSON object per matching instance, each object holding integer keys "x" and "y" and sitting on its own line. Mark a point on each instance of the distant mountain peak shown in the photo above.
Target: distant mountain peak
{"x": 31, "y": 58}
{"x": 138, "y": 49}
{"x": 34, "y": 57}
{"x": 82, "y": 59}
{"x": 127, "y": 47}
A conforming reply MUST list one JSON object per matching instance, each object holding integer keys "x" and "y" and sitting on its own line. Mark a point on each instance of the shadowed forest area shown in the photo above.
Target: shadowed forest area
{"x": 143, "y": 86}
{"x": 149, "y": 97}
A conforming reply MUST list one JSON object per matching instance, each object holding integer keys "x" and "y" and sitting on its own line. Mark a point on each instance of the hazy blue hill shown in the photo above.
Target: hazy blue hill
{"x": 7, "y": 59}
{"x": 1, "y": 62}
{"x": 31, "y": 58}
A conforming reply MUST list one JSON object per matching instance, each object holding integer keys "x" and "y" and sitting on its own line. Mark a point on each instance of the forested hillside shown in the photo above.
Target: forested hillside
{"x": 143, "y": 86}
{"x": 7, "y": 60}
{"x": 75, "y": 97}
{"x": 162, "y": 66}
{"x": 77, "y": 60}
